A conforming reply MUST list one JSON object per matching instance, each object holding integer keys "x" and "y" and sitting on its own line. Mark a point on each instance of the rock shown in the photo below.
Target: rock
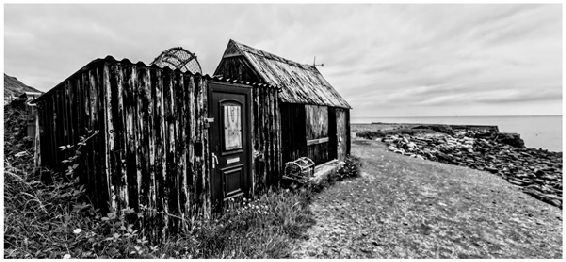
{"x": 538, "y": 171}
{"x": 443, "y": 156}
{"x": 512, "y": 139}
{"x": 442, "y": 129}
{"x": 554, "y": 202}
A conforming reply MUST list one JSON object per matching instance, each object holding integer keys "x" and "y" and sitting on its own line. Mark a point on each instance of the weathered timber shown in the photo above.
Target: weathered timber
{"x": 151, "y": 152}
{"x": 300, "y": 133}
{"x": 293, "y": 131}
{"x": 343, "y": 133}
{"x": 298, "y": 83}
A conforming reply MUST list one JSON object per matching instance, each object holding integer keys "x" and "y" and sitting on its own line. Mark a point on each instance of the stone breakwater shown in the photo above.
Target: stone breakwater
{"x": 537, "y": 171}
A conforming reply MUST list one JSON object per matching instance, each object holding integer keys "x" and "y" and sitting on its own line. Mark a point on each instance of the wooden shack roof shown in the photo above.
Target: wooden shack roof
{"x": 298, "y": 83}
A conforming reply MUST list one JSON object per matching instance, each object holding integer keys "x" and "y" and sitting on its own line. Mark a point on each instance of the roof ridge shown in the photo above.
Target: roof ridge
{"x": 269, "y": 55}
{"x": 297, "y": 83}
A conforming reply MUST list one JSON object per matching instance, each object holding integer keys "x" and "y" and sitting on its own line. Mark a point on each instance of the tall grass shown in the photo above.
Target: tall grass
{"x": 56, "y": 220}
{"x": 263, "y": 228}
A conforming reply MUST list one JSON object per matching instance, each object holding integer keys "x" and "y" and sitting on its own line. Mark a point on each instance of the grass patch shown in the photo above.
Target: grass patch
{"x": 56, "y": 220}
{"x": 263, "y": 228}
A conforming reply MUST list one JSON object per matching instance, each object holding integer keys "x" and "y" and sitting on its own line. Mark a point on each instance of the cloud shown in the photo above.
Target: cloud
{"x": 384, "y": 59}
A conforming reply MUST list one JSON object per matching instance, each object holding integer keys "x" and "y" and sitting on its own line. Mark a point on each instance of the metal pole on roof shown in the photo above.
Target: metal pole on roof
{"x": 314, "y": 63}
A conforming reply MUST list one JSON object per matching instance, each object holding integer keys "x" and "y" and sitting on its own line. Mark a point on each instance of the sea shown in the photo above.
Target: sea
{"x": 540, "y": 131}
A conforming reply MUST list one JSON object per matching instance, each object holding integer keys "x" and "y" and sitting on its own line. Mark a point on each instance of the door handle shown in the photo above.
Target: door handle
{"x": 214, "y": 160}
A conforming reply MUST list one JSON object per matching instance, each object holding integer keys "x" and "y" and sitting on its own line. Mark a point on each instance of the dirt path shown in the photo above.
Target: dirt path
{"x": 408, "y": 208}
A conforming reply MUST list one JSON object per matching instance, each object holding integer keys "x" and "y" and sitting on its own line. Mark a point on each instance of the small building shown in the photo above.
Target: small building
{"x": 172, "y": 145}
{"x": 315, "y": 119}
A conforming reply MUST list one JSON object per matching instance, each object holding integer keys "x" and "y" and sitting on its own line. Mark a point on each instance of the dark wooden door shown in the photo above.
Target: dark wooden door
{"x": 230, "y": 141}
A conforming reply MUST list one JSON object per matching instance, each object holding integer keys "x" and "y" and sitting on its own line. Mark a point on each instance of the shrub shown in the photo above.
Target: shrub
{"x": 57, "y": 220}
{"x": 52, "y": 220}
{"x": 350, "y": 169}
{"x": 262, "y": 228}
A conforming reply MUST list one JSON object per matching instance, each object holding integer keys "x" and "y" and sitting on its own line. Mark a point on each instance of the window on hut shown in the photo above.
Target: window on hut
{"x": 317, "y": 133}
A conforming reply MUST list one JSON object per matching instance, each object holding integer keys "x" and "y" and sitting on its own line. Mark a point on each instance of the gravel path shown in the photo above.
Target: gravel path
{"x": 403, "y": 207}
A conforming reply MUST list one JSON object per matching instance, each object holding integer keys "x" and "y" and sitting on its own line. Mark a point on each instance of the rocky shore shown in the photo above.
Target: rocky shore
{"x": 537, "y": 171}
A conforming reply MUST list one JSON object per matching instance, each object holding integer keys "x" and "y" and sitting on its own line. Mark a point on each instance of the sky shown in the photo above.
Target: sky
{"x": 385, "y": 60}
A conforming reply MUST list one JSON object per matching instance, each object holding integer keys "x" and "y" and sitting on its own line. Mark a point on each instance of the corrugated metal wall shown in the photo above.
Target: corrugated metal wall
{"x": 70, "y": 110}
{"x": 150, "y": 150}
{"x": 150, "y": 154}
{"x": 266, "y": 159}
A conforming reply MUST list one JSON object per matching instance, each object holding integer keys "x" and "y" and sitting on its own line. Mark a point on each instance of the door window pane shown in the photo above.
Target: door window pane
{"x": 232, "y": 126}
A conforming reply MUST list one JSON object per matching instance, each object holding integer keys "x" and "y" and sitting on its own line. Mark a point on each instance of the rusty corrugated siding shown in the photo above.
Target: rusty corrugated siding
{"x": 298, "y": 83}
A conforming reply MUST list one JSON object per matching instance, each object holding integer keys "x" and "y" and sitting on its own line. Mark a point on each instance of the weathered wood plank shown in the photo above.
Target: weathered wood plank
{"x": 101, "y": 145}
{"x": 94, "y": 170}
{"x": 202, "y": 157}
{"x": 348, "y": 133}
{"x": 142, "y": 146}
{"x": 65, "y": 119}
{"x": 191, "y": 179}
{"x": 183, "y": 131}
{"x": 152, "y": 150}
{"x": 150, "y": 214}
{"x": 137, "y": 108}
{"x": 180, "y": 157}
{"x": 110, "y": 140}
{"x": 278, "y": 136}
{"x": 121, "y": 181}
{"x": 130, "y": 141}
{"x": 158, "y": 130}
{"x": 84, "y": 84}
{"x": 58, "y": 127}
{"x": 160, "y": 157}
{"x": 203, "y": 91}
{"x": 172, "y": 195}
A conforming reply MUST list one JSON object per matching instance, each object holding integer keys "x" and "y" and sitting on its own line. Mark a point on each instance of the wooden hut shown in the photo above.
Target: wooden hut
{"x": 164, "y": 144}
{"x": 171, "y": 145}
{"x": 315, "y": 119}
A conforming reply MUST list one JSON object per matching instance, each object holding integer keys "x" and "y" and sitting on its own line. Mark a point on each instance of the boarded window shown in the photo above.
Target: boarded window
{"x": 317, "y": 133}
{"x": 317, "y": 121}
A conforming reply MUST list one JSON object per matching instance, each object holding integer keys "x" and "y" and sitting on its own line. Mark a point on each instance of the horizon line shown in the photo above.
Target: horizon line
{"x": 453, "y": 116}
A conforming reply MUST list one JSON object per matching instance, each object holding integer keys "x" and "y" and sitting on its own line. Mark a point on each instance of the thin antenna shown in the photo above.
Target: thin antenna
{"x": 314, "y": 63}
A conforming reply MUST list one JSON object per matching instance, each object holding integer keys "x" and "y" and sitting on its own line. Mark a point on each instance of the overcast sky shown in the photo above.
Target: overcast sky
{"x": 385, "y": 60}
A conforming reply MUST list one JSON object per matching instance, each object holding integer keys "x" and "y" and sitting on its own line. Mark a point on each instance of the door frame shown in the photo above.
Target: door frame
{"x": 215, "y": 86}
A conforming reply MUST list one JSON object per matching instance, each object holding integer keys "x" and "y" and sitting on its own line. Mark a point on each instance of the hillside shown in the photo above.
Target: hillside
{"x": 14, "y": 88}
